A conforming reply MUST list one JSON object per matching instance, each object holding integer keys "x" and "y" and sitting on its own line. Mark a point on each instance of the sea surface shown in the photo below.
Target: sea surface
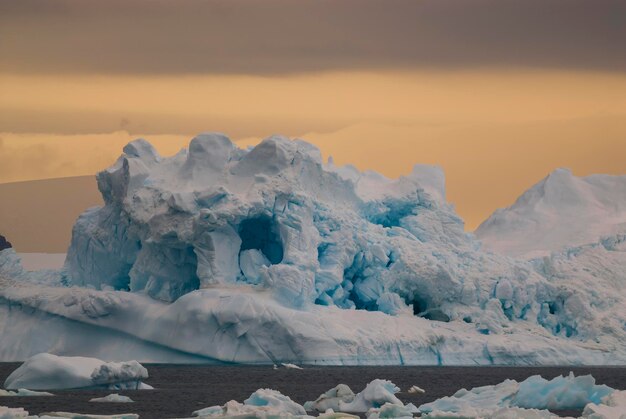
{"x": 181, "y": 389}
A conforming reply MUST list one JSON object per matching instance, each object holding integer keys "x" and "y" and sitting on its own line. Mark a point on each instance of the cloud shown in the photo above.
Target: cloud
{"x": 284, "y": 36}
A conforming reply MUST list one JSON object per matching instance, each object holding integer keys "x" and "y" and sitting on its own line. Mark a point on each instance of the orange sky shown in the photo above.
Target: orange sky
{"x": 494, "y": 133}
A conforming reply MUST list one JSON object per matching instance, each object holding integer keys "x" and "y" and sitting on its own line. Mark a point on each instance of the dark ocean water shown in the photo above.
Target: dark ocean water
{"x": 181, "y": 389}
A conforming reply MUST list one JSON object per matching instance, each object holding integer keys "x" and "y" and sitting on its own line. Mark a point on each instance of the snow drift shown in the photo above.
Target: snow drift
{"x": 269, "y": 255}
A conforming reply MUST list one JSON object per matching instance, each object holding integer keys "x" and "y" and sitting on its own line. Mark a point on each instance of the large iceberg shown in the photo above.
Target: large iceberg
{"x": 270, "y": 255}
{"x": 560, "y": 211}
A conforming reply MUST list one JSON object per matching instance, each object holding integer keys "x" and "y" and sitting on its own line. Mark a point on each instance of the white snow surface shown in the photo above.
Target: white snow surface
{"x": 560, "y": 211}
{"x": 268, "y": 255}
{"x": 50, "y": 372}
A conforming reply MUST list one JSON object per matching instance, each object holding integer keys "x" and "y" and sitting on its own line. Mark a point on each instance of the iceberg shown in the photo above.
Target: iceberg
{"x": 535, "y": 392}
{"x": 22, "y": 392}
{"x": 270, "y": 255}
{"x": 112, "y": 398}
{"x": 50, "y": 372}
{"x": 559, "y": 212}
{"x": 377, "y": 393}
{"x": 263, "y": 403}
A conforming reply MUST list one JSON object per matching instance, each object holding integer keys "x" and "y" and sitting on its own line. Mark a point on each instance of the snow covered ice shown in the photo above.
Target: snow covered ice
{"x": 263, "y": 403}
{"x": 375, "y": 395}
{"x": 112, "y": 398}
{"x": 22, "y": 392}
{"x": 560, "y": 211}
{"x": 50, "y": 372}
{"x": 269, "y": 255}
{"x": 535, "y": 392}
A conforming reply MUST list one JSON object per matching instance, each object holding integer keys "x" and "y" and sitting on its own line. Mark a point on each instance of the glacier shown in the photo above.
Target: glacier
{"x": 271, "y": 255}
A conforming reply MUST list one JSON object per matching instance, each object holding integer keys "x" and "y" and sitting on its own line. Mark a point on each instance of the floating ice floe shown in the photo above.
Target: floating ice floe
{"x": 112, "y": 398}
{"x": 50, "y": 372}
{"x": 612, "y": 406}
{"x": 263, "y": 403}
{"x": 341, "y": 398}
{"x": 290, "y": 366}
{"x": 416, "y": 389}
{"x": 533, "y": 393}
{"x": 22, "y": 392}
{"x": 389, "y": 411}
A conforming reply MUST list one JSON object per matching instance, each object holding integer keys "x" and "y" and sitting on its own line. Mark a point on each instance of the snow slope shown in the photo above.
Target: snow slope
{"x": 560, "y": 211}
{"x": 268, "y": 255}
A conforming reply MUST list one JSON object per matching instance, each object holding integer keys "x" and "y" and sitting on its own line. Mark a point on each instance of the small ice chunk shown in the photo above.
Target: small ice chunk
{"x": 12, "y": 412}
{"x": 331, "y": 400}
{"x": 22, "y": 392}
{"x": 263, "y": 403}
{"x": 390, "y": 411}
{"x": 251, "y": 261}
{"x": 416, "y": 389}
{"x": 291, "y": 366}
{"x": 113, "y": 398}
{"x": 341, "y": 398}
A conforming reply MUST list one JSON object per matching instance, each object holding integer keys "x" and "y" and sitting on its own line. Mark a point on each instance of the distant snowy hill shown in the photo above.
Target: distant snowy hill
{"x": 269, "y": 255}
{"x": 560, "y": 211}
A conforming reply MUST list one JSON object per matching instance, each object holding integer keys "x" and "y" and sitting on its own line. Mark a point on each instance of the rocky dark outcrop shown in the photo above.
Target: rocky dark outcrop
{"x": 4, "y": 244}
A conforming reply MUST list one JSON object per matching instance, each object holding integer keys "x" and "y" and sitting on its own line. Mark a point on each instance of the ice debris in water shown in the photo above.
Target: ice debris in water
{"x": 263, "y": 403}
{"x": 533, "y": 393}
{"x": 389, "y": 410}
{"x": 22, "y": 392}
{"x": 51, "y": 372}
{"x": 416, "y": 389}
{"x": 613, "y": 406}
{"x": 112, "y": 398}
{"x": 341, "y": 398}
{"x": 291, "y": 366}
{"x": 70, "y": 415}
{"x": 20, "y": 413}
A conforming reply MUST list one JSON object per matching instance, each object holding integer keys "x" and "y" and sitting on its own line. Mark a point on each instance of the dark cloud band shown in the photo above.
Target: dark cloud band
{"x": 290, "y": 36}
